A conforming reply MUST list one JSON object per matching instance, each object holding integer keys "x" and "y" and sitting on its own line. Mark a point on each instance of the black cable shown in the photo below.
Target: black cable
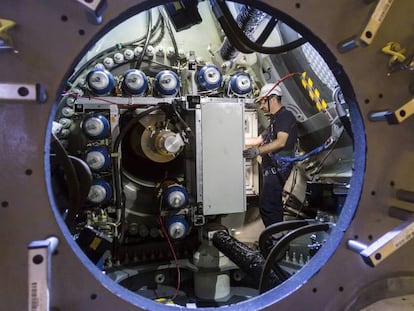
{"x": 161, "y": 35}
{"x": 180, "y": 118}
{"x": 271, "y": 260}
{"x": 84, "y": 175}
{"x": 247, "y": 20}
{"x": 297, "y": 212}
{"x": 238, "y": 38}
{"x": 173, "y": 40}
{"x": 277, "y": 228}
{"x": 112, "y": 49}
{"x": 147, "y": 39}
{"x": 74, "y": 188}
{"x": 327, "y": 155}
{"x": 158, "y": 25}
{"x": 270, "y": 26}
{"x": 154, "y": 41}
{"x": 227, "y": 28}
{"x": 292, "y": 188}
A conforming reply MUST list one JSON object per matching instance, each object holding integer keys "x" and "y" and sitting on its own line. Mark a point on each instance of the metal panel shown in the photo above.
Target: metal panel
{"x": 252, "y": 166}
{"x": 223, "y": 165}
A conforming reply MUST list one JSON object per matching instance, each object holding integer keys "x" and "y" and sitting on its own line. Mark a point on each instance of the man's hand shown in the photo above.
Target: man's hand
{"x": 251, "y": 153}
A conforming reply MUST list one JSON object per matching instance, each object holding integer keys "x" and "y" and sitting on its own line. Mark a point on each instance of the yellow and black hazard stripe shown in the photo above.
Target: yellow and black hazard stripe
{"x": 313, "y": 92}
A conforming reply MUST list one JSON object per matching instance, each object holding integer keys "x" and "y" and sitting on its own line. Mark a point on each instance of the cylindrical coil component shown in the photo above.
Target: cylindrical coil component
{"x": 135, "y": 82}
{"x": 100, "y": 81}
{"x": 96, "y": 126}
{"x": 240, "y": 84}
{"x": 98, "y": 158}
{"x": 100, "y": 192}
{"x": 167, "y": 83}
{"x": 175, "y": 197}
{"x": 177, "y": 227}
{"x": 209, "y": 77}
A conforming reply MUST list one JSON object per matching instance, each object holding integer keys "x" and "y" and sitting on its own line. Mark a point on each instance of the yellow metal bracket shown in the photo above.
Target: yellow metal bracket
{"x": 375, "y": 21}
{"x": 368, "y": 34}
{"x": 404, "y": 112}
{"x": 394, "y": 117}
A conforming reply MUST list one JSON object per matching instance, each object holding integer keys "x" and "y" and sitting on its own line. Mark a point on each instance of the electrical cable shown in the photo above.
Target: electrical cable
{"x": 297, "y": 212}
{"x": 270, "y": 26}
{"x": 247, "y": 20}
{"x": 147, "y": 39}
{"x": 72, "y": 181}
{"x": 112, "y": 49}
{"x": 158, "y": 25}
{"x": 291, "y": 208}
{"x": 160, "y": 28}
{"x": 170, "y": 32}
{"x": 177, "y": 264}
{"x": 277, "y": 228}
{"x": 327, "y": 155}
{"x": 289, "y": 75}
{"x": 238, "y": 38}
{"x": 85, "y": 177}
{"x": 180, "y": 118}
{"x": 292, "y": 188}
{"x": 275, "y": 157}
{"x": 272, "y": 258}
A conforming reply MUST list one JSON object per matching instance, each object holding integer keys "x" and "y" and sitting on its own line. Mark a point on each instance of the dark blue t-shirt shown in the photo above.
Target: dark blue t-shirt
{"x": 281, "y": 121}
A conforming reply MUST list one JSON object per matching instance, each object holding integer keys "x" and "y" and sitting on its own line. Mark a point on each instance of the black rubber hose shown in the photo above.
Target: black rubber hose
{"x": 267, "y": 31}
{"x": 230, "y": 42}
{"x": 238, "y": 38}
{"x": 276, "y": 228}
{"x": 247, "y": 20}
{"x": 227, "y": 50}
{"x": 275, "y": 253}
{"x": 248, "y": 260}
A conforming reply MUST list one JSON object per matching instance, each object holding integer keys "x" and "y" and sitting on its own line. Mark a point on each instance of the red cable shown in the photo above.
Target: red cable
{"x": 281, "y": 80}
{"x": 175, "y": 257}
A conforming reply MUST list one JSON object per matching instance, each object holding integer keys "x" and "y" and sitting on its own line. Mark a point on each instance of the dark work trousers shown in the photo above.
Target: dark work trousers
{"x": 271, "y": 205}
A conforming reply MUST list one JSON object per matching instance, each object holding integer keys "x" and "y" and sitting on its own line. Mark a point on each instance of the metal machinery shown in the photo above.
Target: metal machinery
{"x": 123, "y": 185}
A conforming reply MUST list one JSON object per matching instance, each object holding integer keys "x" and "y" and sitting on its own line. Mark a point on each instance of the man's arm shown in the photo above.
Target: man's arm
{"x": 254, "y": 141}
{"x": 275, "y": 145}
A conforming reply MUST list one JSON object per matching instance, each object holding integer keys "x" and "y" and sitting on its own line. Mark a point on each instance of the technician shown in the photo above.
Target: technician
{"x": 278, "y": 140}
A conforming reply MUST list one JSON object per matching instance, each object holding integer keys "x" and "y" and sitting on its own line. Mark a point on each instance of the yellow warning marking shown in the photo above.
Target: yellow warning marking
{"x": 313, "y": 92}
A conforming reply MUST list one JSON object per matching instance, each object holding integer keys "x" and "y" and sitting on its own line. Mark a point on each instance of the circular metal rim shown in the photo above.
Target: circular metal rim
{"x": 272, "y": 296}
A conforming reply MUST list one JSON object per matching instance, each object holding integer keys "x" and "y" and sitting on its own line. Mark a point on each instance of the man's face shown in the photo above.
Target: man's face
{"x": 263, "y": 104}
